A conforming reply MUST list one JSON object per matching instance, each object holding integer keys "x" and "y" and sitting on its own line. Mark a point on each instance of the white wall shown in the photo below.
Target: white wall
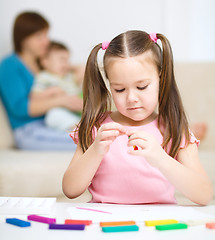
{"x": 81, "y": 24}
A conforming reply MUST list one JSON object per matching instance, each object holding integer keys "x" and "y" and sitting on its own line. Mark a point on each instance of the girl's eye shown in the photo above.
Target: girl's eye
{"x": 120, "y": 90}
{"x": 142, "y": 88}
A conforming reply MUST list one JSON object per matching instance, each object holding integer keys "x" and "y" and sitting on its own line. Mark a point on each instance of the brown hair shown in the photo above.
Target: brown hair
{"x": 26, "y": 24}
{"x": 56, "y": 46}
{"x": 172, "y": 120}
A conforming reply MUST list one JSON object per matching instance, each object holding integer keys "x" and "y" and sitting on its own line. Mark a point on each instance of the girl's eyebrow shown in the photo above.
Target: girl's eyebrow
{"x": 139, "y": 81}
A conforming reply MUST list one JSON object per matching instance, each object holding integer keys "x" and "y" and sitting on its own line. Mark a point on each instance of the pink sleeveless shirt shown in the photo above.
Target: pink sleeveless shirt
{"x": 126, "y": 179}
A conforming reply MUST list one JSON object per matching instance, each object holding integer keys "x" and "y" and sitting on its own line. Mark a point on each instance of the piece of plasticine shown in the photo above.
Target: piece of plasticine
{"x": 37, "y": 218}
{"x": 72, "y": 221}
{"x": 120, "y": 223}
{"x": 210, "y": 225}
{"x": 135, "y": 147}
{"x": 121, "y": 228}
{"x": 173, "y": 226}
{"x": 159, "y": 222}
{"x": 18, "y": 222}
{"x": 67, "y": 226}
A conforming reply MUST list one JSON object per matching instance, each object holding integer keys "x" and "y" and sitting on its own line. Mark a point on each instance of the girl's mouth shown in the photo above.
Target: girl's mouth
{"x": 134, "y": 108}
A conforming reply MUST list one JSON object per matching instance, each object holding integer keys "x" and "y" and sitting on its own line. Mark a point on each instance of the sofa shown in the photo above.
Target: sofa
{"x": 39, "y": 173}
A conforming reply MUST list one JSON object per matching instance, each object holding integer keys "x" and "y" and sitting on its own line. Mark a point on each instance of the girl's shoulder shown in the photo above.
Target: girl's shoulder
{"x": 192, "y": 139}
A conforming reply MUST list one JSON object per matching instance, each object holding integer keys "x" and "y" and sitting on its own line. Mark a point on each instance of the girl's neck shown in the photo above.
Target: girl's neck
{"x": 119, "y": 118}
{"x": 30, "y": 61}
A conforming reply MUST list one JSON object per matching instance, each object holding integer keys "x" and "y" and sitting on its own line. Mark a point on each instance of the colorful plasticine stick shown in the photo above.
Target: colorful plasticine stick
{"x": 67, "y": 226}
{"x": 18, "y": 222}
{"x": 37, "y": 218}
{"x": 199, "y": 221}
{"x": 72, "y": 221}
{"x": 121, "y": 228}
{"x": 210, "y": 225}
{"x": 120, "y": 223}
{"x": 160, "y": 222}
{"x": 171, "y": 226}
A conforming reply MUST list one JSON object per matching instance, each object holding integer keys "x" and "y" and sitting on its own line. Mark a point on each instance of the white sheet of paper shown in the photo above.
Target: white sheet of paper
{"x": 140, "y": 213}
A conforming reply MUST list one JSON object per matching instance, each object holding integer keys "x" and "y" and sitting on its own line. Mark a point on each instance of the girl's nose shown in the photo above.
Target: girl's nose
{"x": 132, "y": 96}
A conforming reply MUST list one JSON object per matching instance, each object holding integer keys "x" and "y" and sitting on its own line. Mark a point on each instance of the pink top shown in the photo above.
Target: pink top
{"x": 126, "y": 179}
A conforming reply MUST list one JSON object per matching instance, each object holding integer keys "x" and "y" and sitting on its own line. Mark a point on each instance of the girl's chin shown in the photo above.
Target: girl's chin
{"x": 136, "y": 119}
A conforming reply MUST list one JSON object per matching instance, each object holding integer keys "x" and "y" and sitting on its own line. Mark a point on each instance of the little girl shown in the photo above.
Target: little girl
{"x": 144, "y": 150}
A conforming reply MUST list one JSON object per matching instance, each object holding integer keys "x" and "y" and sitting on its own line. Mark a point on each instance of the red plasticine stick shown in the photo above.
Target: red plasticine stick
{"x": 72, "y": 221}
{"x": 210, "y": 225}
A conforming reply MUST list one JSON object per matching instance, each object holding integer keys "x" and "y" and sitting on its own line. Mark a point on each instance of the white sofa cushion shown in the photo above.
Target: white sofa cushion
{"x": 6, "y": 135}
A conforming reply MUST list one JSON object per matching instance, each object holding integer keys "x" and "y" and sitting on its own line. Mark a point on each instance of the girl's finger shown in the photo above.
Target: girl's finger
{"x": 137, "y": 142}
{"x": 138, "y": 135}
{"x": 106, "y": 143}
{"x": 113, "y": 126}
{"x": 135, "y": 152}
{"x": 108, "y": 134}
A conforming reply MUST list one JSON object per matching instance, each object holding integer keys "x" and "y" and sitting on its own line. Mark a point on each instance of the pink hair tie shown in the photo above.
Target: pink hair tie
{"x": 153, "y": 37}
{"x": 105, "y": 45}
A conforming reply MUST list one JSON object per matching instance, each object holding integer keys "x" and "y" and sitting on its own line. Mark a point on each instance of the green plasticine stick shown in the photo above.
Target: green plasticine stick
{"x": 171, "y": 226}
{"x": 121, "y": 228}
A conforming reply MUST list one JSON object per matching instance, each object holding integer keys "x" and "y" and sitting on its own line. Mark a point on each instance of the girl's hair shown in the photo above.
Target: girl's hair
{"x": 26, "y": 24}
{"x": 172, "y": 120}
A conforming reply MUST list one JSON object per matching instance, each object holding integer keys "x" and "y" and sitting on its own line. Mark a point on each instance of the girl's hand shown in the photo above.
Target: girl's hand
{"x": 148, "y": 147}
{"x": 107, "y": 133}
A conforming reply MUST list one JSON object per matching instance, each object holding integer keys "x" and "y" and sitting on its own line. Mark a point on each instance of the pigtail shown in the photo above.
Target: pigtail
{"x": 96, "y": 100}
{"x": 171, "y": 112}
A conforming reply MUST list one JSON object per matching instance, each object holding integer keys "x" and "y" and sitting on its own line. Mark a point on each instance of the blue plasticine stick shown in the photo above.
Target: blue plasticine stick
{"x": 18, "y": 222}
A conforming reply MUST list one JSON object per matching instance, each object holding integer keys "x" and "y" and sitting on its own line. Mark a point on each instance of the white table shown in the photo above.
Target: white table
{"x": 39, "y": 231}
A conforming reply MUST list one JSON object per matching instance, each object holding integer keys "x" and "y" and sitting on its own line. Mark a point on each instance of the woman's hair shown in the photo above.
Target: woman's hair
{"x": 26, "y": 24}
{"x": 172, "y": 120}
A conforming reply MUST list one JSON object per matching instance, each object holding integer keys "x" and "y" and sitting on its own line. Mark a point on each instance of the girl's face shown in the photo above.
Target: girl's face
{"x": 37, "y": 43}
{"x": 134, "y": 84}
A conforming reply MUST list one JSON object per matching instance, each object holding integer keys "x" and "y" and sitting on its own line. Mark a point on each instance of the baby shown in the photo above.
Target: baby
{"x": 57, "y": 79}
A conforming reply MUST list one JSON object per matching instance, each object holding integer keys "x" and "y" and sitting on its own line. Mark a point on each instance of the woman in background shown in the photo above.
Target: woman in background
{"x": 17, "y": 71}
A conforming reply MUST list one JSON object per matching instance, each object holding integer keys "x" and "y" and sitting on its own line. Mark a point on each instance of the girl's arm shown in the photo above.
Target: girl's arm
{"x": 186, "y": 173}
{"x": 83, "y": 166}
{"x": 80, "y": 172}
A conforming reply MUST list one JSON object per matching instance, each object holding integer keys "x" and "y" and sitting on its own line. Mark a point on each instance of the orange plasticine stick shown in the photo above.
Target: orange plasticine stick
{"x": 121, "y": 223}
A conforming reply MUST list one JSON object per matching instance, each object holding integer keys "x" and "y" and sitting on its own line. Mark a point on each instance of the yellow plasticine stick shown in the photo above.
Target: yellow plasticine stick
{"x": 160, "y": 222}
